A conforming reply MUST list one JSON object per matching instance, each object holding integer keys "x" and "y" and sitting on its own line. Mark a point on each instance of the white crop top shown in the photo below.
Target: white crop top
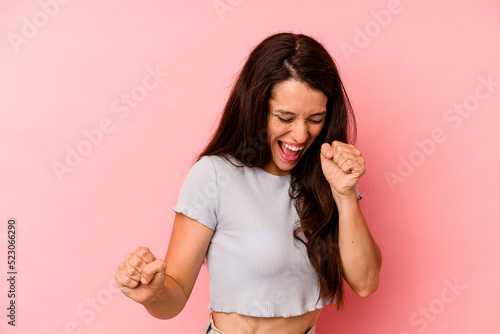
{"x": 256, "y": 267}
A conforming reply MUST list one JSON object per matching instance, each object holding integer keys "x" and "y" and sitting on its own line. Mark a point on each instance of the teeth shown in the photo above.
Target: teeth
{"x": 293, "y": 148}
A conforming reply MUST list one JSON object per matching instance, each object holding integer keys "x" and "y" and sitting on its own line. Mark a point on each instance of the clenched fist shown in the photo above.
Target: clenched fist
{"x": 141, "y": 276}
{"x": 342, "y": 165}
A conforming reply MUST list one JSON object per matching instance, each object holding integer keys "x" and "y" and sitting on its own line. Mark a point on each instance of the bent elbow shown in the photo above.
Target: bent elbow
{"x": 368, "y": 290}
{"x": 365, "y": 293}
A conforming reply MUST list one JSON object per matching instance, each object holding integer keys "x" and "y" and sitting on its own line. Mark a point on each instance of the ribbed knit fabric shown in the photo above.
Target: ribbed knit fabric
{"x": 256, "y": 267}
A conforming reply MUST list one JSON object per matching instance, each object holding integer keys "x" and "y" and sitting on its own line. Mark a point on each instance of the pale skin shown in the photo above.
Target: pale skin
{"x": 296, "y": 117}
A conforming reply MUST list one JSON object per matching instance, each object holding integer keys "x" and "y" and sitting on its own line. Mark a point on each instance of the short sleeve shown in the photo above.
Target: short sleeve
{"x": 358, "y": 195}
{"x": 198, "y": 196}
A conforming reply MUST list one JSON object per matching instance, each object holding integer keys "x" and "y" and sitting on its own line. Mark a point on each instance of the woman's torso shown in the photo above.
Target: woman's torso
{"x": 233, "y": 323}
{"x": 259, "y": 273}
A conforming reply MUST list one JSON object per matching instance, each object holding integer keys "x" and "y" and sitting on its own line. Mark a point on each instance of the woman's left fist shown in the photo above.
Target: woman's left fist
{"x": 342, "y": 165}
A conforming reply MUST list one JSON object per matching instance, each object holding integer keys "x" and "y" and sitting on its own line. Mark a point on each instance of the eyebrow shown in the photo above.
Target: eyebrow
{"x": 285, "y": 112}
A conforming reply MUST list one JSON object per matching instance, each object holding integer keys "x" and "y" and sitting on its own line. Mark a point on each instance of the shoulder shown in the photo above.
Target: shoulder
{"x": 215, "y": 161}
{"x": 222, "y": 160}
{"x": 219, "y": 164}
{"x": 214, "y": 169}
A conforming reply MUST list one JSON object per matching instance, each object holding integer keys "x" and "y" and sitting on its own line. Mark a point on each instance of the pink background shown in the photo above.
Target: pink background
{"x": 409, "y": 66}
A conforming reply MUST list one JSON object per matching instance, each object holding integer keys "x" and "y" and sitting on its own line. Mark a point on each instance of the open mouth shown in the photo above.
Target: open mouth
{"x": 289, "y": 152}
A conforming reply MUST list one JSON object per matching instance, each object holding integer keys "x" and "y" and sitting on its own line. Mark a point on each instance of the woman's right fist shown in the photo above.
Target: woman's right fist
{"x": 141, "y": 276}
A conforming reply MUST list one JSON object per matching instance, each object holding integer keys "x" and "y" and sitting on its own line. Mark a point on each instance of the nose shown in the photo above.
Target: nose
{"x": 300, "y": 132}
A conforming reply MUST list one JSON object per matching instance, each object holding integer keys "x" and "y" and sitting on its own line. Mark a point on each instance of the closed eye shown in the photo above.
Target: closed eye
{"x": 285, "y": 120}
{"x": 314, "y": 121}
{"x": 290, "y": 120}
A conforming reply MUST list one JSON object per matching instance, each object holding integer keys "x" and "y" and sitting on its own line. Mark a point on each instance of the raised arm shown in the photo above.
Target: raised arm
{"x": 361, "y": 257}
{"x": 343, "y": 165}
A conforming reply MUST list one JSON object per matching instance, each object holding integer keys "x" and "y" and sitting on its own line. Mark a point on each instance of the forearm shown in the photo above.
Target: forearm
{"x": 169, "y": 302}
{"x": 361, "y": 258}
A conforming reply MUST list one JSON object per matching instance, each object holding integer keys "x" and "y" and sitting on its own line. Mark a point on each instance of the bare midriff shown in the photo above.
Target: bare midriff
{"x": 234, "y": 323}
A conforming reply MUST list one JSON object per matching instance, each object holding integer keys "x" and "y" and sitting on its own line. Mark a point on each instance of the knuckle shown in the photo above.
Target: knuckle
{"x": 144, "y": 251}
{"x": 121, "y": 266}
{"x": 130, "y": 270}
{"x": 134, "y": 262}
{"x": 122, "y": 280}
{"x": 127, "y": 281}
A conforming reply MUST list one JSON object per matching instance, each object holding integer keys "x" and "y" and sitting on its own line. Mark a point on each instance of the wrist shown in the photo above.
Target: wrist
{"x": 157, "y": 298}
{"x": 345, "y": 200}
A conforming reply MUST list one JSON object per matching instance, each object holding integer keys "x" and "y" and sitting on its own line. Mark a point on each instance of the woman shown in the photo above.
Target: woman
{"x": 271, "y": 202}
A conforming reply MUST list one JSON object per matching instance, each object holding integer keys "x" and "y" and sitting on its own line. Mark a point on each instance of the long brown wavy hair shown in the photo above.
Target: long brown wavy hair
{"x": 242, "y": 134}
